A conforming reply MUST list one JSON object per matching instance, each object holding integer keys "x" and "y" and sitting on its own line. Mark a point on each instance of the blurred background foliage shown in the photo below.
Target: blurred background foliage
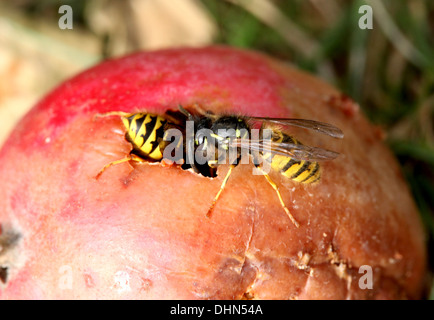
{"x": 388, "y": 70}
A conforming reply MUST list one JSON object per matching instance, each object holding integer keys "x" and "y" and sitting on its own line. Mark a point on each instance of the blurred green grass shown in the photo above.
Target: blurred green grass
{"x": 388, "y": 70}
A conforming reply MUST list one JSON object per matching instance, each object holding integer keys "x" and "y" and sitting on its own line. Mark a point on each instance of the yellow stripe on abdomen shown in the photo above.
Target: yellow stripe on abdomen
{"x": 314, "y": 173}
{"x": 300, "y": 171}
{"x": 291, "y": 168}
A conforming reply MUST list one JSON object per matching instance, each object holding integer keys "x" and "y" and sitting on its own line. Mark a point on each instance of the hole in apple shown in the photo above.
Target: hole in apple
{"x": 8, "y": 240}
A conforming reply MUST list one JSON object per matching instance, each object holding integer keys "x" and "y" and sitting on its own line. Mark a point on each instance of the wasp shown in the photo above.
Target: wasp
{"x": 283, "y": 152}
{"x": 148, "y": 134}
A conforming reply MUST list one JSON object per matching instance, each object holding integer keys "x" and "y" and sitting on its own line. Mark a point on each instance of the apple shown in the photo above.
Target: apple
{"x": 140, "y": 230}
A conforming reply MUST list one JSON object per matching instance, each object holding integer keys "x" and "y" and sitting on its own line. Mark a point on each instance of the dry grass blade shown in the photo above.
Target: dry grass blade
{"x": 328, "y": 12}
{"x": 269, "y": 14}
{"x": 396, "y": 37}
{"x": 152, "y": 24}
{"x": 162, "y": 24}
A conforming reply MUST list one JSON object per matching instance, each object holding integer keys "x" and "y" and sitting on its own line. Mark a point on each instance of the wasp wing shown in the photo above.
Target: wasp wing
{"x": 287, "y": 149}
{"x": 318, "y": 126}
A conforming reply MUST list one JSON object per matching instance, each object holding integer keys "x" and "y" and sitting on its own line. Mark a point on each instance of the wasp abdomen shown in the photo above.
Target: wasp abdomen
{"x": 298, "y": 170}
{"x": 145, "y": 131}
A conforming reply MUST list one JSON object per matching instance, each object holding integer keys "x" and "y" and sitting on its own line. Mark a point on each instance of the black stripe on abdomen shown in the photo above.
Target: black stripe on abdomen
{"x": 149, "y": 128}
{"x": 303, "y": 168}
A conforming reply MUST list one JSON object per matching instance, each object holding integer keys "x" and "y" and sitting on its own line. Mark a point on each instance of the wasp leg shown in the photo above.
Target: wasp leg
{"x": 273, "y": 184}
{"x": 112, "y": 113}
{"x": 208, "y": 215}
{"x": 130, "y": 157}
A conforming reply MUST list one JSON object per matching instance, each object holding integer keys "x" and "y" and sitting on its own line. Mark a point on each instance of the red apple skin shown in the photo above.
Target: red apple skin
{"x": 140, "y": 231}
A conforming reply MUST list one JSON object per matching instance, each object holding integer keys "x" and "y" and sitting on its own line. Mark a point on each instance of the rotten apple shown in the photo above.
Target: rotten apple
{"x": 140, "y": 231}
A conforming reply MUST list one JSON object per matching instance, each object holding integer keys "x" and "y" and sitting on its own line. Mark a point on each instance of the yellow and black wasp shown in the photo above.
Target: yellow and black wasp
{"x": 284, "y": 153}
{"x": 148, "y": 135}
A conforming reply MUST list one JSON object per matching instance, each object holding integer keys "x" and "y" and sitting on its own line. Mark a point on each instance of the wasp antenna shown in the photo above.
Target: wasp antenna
{"x": 186, "y": 113}
{"x": 183, "y": 111}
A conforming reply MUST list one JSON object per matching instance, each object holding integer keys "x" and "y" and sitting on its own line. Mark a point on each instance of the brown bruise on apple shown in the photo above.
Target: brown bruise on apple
{"x": 140, "y": 230}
